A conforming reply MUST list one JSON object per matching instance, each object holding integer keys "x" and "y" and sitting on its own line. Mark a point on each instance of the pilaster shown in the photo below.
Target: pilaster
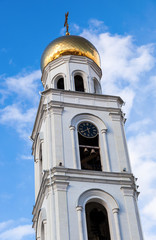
{"x": 57, "y": 139}
{"x": 107, "y": 160}
{"x": 61, "y": 209}
{"x": 72, "y": 131}
{"x": 117, "y": 225}
{"x": 80, "y": 223}
{"x": 121, "y": 146}
{"x": 133, "y": 219}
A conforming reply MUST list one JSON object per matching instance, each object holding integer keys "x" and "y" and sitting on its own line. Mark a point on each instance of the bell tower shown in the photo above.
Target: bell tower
{"x": 84, "y": 187}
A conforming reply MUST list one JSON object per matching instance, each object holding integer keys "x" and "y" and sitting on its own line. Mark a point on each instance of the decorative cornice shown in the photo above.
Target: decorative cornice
{"x": 59, "y": 185}
{"x": 119, "y": 117}
{"x": 130, "y": 191}
{"x": 102, "y": 97}
{"x": 116, "y": 116}
{"x": 54, "y": 108}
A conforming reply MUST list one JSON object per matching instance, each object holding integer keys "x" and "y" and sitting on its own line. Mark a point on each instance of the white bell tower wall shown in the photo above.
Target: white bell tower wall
{"x": 63, "y": 188}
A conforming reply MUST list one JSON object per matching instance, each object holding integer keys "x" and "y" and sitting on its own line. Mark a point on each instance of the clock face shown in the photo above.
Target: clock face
{"x": 87, "y": 129}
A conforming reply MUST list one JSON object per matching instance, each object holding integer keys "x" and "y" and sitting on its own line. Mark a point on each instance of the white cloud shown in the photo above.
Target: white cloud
{"x": 143, "y": 154}
{"x": 4, "y": 94}
{"x": 123, "y": 63}
{"x": 96, "y": 23}
{"x": 26, "y": 157}
{"x": 21, "y": 94}
{"x": 150, "y": 88}
{"x": 17, "y": 233}
{"x": 120, "y": 57}
{"x": 4, "y": 225}
{"x": 16, "y": 230}
{"x": 74, "y": 28}
{"x": 96, "y": 26}
{"x": 19, "y": 119}
{"x": 13, "y": 113}
{"x": 139, "y": 125}
{"x": 24, "y": 84}
{"x": 150, "y": 208}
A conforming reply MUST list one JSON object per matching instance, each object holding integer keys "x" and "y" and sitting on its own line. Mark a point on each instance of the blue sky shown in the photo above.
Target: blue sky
{"x": 124, "y": 33}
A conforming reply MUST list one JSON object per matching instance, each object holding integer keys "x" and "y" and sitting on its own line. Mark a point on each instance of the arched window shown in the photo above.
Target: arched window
{"x": 89, "y": 146}
{"x": 79, "y": 85}
{"x": 97, "y": 222}
{"x": 42, "y": 231}
{"x": 60, "y": 83}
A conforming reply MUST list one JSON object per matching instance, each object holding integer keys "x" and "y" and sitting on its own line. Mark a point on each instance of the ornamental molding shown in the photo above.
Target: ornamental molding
{"x": 64, "y": 95}
{"x": 53, "y": 108}
{"x": 117, "y": 116}
{"x": 98, "y": 195}
{"x": 60, "y": 185}
{"x": 129, "y": 191}
{"x": 88, "y": 117}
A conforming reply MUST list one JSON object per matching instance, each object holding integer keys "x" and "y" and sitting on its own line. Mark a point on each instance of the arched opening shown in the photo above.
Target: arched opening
{"x": 42, "y": 232}
{"x": 60, "y": 83}
{"x": 89, "y": 146}
{"x": 97, "y": 222}
{"x": 79, "y": 85}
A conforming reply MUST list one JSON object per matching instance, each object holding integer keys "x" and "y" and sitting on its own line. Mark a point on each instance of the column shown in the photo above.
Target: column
{"x": 103, "y": 131}
{"x": 45, "y": 229}
{"x": 79, "y": 212}
{"x": 37, "y": 177}
{"x": 72, "y": 130}
{"x": 117, "y": 226}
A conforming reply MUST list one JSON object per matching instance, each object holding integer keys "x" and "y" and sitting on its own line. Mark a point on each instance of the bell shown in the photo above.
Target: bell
{"x": 86, "y": 150}
{"x": 92, "y": 151}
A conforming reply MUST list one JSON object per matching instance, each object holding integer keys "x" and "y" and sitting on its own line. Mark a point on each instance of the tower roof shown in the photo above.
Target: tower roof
{"x": 69, "y": 45}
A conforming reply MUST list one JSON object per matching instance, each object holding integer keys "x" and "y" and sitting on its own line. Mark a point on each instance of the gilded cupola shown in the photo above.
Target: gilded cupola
{"x": 69, "y": 45}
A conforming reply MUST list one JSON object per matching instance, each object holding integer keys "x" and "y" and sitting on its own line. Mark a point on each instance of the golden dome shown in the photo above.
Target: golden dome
{"x": 69, "y": 45}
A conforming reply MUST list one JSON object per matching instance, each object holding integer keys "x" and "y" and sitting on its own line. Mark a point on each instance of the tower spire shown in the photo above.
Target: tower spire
{"x": 66, "y": 23}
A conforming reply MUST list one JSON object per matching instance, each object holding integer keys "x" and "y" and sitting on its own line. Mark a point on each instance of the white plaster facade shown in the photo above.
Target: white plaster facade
{"x": 62, "y": 188}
